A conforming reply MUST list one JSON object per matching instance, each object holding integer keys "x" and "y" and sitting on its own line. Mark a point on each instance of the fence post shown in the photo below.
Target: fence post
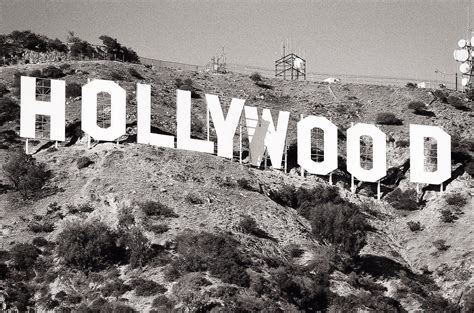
{"x": 302, "y": 169}
{"x": 207, "y": 121}
{"x": 240, "y": 141}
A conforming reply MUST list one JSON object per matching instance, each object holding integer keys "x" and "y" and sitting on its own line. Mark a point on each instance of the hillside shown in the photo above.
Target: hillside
{"x": 223, "y": 236}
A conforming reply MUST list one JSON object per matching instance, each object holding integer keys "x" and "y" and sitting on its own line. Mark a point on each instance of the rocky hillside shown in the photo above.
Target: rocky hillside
{"x": 133, "y": 227}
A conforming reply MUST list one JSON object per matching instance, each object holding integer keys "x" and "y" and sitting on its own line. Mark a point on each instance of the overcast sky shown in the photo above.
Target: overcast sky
{"x": 366, "y": 37}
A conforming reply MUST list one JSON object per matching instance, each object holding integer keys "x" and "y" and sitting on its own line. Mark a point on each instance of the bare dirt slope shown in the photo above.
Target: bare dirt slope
{"x": 213, "y": 195}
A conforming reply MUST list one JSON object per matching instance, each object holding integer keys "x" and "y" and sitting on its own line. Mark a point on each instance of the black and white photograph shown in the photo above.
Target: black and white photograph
{"x": 236, "y": 156}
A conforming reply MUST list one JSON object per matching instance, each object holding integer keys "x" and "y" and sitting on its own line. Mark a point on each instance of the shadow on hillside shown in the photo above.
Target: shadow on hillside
{"x": 455, "y": 174}
{"x": 8, "y": 139}
{"x": 379, "y": 266}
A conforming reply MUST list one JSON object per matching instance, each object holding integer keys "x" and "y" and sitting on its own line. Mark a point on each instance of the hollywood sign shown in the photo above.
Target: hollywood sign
{"x": 261, "y": 130}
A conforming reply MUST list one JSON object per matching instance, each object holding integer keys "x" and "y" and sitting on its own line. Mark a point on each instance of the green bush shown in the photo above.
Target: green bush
{"x": 38, "y": 227}
{"x": 295, "y": 251}
{"x": 3, "y": 90}
{"x": 340, "y": 224}
{"x": 154, "y": 208}
{"x": 333, "y": 219}
{"x": 36, "y": 73}
{"x": 469, "y": 168}
{"x": 115, "y": 288}
{"x": 9, "y": 110}
{"x": 402, "y": 143}
{"x": 441, "y": 95}
{"x": 447, "y": 216}
{"x": 83, "y": 162}
{"x": 113, "y": 47}
{"x": 403, "y": 200}
{"x": 249, "y": 226}
{"x": 135, "y": 73}
{"x": 146, "y": 288}
{"x": 256, "y": 77}
{"x": 456, "y": 102}
{"x": 416, "y": 106}
{"x": 40, "y": 242}
{"x": 25, "y": 174}
{"x": 245, "y": 184}
{"x": 440, "y": 245}
{"x": 309, "y": 292}
{"x": 216, "y": 253}
{"x": 263, "y": 85}
{"x": 414, "y": 226}
{"x": 187, "y": 84}
{"x": 387, "y": 119}
{"x": 194, "y": 198}
{"x": 159, "y": 228}
{"x": 456, "y": 199}
{"x": 116, "y": 76}
{"x": 23, "y": 256}
{"x": 89, "y": 246}
{"x": 101, "y": 305}
{"x": 52, "y": 72}
{"x": 79, "y": 48}
{"x": 126, "y": 219}
{"x": 137, "y": 246}
{"x": 163, "y": 304}
{"x": 73, "y": 90}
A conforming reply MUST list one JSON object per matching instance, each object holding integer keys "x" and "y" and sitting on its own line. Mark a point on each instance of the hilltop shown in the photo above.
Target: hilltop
{"x": 205, "y": 233}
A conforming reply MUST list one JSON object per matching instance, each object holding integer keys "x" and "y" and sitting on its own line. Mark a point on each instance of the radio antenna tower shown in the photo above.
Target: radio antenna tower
{"x": 465, "y": 54}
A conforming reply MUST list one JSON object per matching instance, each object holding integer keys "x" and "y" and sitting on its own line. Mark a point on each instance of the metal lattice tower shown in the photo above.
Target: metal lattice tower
{"x": 431, "y": 154}
{"x": 317, "y": 150}
{"x": 366, "y": 152}
{"x": 43, "y": 123}
{"x": 103, "y": 109}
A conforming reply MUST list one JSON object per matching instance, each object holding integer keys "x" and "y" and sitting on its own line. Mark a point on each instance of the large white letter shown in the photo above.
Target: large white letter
{"x": 117, "y": 107}
{"x": 418, "y": 133}
{"x": 225, "y": 127}
{"x": 379, "y": 158}
{"x": 274, "y": 139}
{"x": 183, "y": 117}
{"x": 144, "y": 134}
{"x": 304, "y": 128}
{"x": 30, "y": 107}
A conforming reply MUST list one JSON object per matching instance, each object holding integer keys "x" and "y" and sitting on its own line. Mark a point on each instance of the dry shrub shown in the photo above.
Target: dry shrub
{"x": 216, "y": 253}
{"x": 387, "y": 119}
{"x": 155, "y": 208}
{"x": 25, "y": 174}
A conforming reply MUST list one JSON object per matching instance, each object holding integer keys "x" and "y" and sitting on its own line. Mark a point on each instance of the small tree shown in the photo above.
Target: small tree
{"x": 25, "y": 174}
